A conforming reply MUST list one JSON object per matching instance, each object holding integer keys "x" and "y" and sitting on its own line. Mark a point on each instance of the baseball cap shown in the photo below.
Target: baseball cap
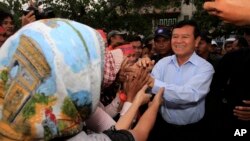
{"x": 115, "y": 32}
{"x": 164, "y": 32}
{"x": 231, "y": 39}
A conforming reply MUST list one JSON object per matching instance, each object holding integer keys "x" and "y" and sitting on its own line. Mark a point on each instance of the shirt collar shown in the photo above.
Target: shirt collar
{"x": 193, "y": 59}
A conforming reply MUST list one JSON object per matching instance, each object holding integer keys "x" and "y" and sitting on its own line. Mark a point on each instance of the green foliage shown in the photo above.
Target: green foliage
{"x": 4, "y": 76}
{"x": 4, "y": 7}
{"x": 106, "y": 14}
{"x": 29, "y": 109}
{"x": 61, "y": 125}
{"x": 69, "y": 109}
{"x": 109, "y": 14}
{"x": 47, "y": 133}
{"x": 14, "y": 7}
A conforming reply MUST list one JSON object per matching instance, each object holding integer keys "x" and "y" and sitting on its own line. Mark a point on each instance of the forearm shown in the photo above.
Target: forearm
{"x": 146, "y": 123}
{"x": 114, "y": 107}
{"x": 125, "y": 121}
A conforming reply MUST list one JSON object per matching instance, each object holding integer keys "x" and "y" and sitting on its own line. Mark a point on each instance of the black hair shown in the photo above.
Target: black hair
{"x": 242, "y": 42}
{"x": 190, "y": 23}
{"x": 206, "y": 37}
{"x": 4, "y": 15}
{"x": 134, "y": 38}
{"x": 247, "y": 30}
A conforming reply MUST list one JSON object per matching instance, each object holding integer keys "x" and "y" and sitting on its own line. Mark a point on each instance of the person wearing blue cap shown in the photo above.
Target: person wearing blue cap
{"x": 162, "y": 46}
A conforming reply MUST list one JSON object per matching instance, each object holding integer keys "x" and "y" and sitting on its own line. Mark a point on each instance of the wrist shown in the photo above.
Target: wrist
{"x": 129, "y": 99}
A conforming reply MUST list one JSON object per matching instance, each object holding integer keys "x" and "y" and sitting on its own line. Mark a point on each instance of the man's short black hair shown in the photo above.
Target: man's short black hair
{"x": 190, "y": 23}
{"x": 132, "y": 38}
{"x": 206, "y": 37}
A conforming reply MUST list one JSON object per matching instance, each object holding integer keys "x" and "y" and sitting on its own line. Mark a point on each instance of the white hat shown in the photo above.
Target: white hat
{"x": 213, "y": 42}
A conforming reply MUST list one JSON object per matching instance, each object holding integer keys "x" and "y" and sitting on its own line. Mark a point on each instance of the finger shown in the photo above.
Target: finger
{"x": 145, "y": 63}
{"x": 148, "y": 62}
{"x": 145, "y": 77}
{"x": 32, "y": 19}
{"x": 242, "y": 116}
{"x": 246, "y": 101}
{"x": 129, "y": 70}
{"x": 152, "y": 62}
{"x": 148, "y": 97}
{"x": 144, "y": 88}
{"x": 210, "y": 6}
{"x": 30, "y": 13}
{"x": 243, "y": 108}
{"x": 146, "y": 80}
{"x": 239, "y": 112}
{"x": 160, "y": 92}
{"x": 159, "y": 95}
{"x": 138, "y": 63}
{"x": 141, "y": 72}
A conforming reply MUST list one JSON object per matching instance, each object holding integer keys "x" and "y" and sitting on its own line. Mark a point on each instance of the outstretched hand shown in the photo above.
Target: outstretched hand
{"x": 158, "y": 98}
{"x": 146, "y": 63}
{"x": 243, "y": 112}
{"x": 232, "y": 11}
{"x": 125, "y": 70}
{"x": 142, "y": 97}
{"x": 135, "y": 82}
{"x": 29, "y": 18}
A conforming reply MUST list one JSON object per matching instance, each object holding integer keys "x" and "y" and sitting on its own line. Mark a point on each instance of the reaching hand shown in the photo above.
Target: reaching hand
{"x": 142, "y": 97}
{"x": 243, "y": 112}
{"x": 146, "y": 63}
{"x": 135, "y": 82}
{"x": 29, "y": 18}
{"x": 158, "y": 98}
{"x": 125, "y": 70}
{"x": 233, "y": 11}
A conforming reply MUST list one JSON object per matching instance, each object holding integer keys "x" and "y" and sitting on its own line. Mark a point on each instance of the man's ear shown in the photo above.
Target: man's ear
{"x": 197, "y": 40}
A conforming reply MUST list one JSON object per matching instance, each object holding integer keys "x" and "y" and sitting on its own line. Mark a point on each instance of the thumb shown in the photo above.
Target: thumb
{"x": 144, "y": 88}
{"x": 148, "y": 97}
{"x": 160, "y": 92}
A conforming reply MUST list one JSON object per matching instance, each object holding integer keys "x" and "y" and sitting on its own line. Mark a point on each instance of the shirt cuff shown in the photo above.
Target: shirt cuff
{"x": 125, "y": 108}
{"x": 157, "y": 85}
{"x": 114, "y": 107}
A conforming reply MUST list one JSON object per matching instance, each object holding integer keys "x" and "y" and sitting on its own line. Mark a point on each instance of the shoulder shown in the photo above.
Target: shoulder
{"x": 165, "y": 60}
{"x": 203, "y": 64}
